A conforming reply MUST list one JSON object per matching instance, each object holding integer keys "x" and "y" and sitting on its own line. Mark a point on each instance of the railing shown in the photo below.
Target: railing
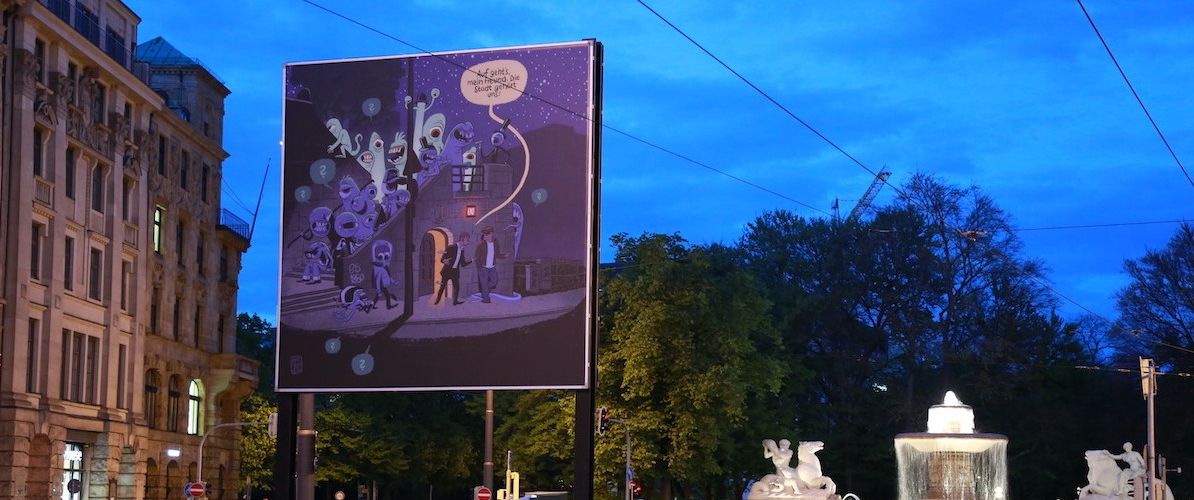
{"x": 87, "y": 24}
{"x": 132, "y": 234}
{"x": 44, "y": 192}
{"x": 60, "y": 8}
{"x": 114, "y": 47}
{"x": 231, "y": 222}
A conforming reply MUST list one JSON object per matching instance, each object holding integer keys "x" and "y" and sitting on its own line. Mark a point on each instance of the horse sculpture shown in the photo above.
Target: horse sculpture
{"x": 1102, "y": 475}
{"x": 803, "y": 482}
{"x": 809, "y": 468}
{"x": 1103, "y": 479}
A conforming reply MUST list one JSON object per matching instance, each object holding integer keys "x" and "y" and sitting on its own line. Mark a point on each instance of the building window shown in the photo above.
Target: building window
{"x": 72, "y": 156}
{"x": 31, "y": 357}
{"x": 126, "y": 203}
{"x": 126, "y": 278}
{"x": 152, "y": 382}
{"x": 195, "y": 408}
{"x": 121, "y": 360}
{"x": 199, "y": 249}
{"x": 68, "y": 264}
{"x": 97, "y": 188}
{"x": 203, "y": 182}
{"x": 177, "y": 316}
{"x": 173, "y": 403}
{"x": 184, "y": 165}
{"x": 39, "y": 55}
{"x": 159, "y": 218}
{"x": 220, "y": 331}
{"x": 198, "y": 325}
{"x": 91, "y": 376}
{"x": 72, "y": 472}
{"x": 155, "y": 312}
{"x": 223, "y": 264}
{"x": 39, "y": 138}
{"x": 180, "y": 232}
{"x": 96, "y": 274}
{"x": 35, "y": 249}
{"x": 80, "y": 367}
{"x": 72, "y": 74}
{"x": 162, "y": 149}
{"x": 100, "y": 109}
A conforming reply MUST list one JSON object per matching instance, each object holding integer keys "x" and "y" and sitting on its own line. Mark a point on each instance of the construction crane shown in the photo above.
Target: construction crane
{"x": 867, "y": 197}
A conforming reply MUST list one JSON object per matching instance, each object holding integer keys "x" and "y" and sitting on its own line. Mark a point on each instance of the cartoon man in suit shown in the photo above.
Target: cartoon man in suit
{"x": 487, "y": 256}
{"x": 453, "y": 260}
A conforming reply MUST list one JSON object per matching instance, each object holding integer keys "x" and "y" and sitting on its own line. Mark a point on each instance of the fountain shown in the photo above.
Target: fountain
{"x": 951, "y": 461}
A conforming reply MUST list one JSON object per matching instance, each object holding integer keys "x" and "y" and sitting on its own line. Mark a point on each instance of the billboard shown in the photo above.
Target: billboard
{"x": 438, "y": 221}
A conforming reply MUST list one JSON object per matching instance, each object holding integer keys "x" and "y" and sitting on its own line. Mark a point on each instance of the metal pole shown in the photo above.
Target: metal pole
{"x": 305, "y": 467}
{"x": 1152, "y": 436}
{"x": 487, "y": 468}
{"x": 629, "y": 473}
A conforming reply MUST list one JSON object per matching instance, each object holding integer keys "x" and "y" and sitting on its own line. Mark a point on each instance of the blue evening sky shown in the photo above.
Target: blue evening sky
{"x": 1017, "y": 97}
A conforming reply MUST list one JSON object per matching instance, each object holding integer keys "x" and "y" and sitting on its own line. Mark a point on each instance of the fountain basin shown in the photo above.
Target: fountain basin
{"x": 928, "y": 442}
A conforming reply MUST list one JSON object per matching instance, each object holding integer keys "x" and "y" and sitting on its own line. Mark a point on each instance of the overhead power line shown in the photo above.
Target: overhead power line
{"x": 968, "y": 233}
{"x": 1135, "y": 94}
{"x": 575, "y": 113}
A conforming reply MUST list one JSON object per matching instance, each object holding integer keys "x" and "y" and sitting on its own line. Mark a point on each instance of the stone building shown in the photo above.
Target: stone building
{"x": 119, "y": 266}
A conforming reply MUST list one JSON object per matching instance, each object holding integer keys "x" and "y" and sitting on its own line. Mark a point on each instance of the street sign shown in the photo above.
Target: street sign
{"x": 195, "y": 490}
{"x": 482, "y": 493}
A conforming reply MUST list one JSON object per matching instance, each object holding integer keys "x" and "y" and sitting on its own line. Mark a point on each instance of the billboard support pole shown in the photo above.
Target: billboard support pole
{"x": 305, "y": 488}
{"x": 284, "y": 464}
{"x": 487, "y": 468}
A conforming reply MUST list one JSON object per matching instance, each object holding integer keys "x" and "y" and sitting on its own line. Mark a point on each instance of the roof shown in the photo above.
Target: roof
{"x": 159, "y": 52}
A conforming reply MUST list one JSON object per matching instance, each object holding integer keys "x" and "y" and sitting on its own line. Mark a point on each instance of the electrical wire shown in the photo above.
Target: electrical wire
{"x": 940, "y": 218}
{"x": 1136, "y": 95}
{"x": 575, "y": 113}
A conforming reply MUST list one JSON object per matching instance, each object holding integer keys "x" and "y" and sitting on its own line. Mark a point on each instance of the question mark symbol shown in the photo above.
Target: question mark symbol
{"x": 323, "y": 171}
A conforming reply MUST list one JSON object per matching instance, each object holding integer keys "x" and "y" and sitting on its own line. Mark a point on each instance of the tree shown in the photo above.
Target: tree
{"x": 255, "y": 338}
{"x": 258, "y": 451}
{"x": 686, "y": 344}
{"x": 1158, "y": 303}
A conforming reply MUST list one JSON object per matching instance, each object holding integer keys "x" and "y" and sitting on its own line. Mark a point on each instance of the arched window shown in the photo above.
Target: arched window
{"x": 173, "y": 404}
{"x": 195, "y": 408}
{"x": 152, "y": 383}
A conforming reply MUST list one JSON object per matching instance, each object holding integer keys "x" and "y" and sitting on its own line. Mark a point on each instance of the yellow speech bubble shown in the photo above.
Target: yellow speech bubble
{"x": 494, "y": 82}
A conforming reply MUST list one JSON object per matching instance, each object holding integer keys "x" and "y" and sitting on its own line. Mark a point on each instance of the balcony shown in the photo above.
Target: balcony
{"x": 236, "y": 225}
{"x": 43, "y": 192}
{"x": 87, "y": 23}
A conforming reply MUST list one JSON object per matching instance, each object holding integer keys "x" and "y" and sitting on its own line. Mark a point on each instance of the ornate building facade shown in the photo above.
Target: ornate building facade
{"x": 119, "y": 267}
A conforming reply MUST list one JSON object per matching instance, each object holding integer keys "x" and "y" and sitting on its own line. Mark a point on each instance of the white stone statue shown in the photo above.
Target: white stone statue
{"x": 1106, "y": 481}
{"x": 803, "y": 482}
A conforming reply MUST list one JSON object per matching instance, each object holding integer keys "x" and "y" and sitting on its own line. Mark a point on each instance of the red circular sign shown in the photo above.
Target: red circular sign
{"x": 483, "y": 493}
{"x": 196, "y": 490}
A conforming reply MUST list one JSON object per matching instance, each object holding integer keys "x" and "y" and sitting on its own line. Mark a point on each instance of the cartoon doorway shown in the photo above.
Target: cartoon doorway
{"x": 431, "y": 247}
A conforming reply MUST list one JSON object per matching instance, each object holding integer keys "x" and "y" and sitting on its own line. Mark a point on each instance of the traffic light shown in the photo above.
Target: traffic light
{"x": 635, "y": 488}
{"x": 602, "y": 420}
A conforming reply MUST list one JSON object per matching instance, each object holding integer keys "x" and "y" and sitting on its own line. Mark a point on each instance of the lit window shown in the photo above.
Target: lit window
{"x": 195, "y": 408}
{"x": 159, "y": 218}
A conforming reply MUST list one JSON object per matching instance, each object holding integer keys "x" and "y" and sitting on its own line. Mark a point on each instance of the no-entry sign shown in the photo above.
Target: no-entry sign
{"x": 482, "y": 493}
{"x": 195, "y": 490}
